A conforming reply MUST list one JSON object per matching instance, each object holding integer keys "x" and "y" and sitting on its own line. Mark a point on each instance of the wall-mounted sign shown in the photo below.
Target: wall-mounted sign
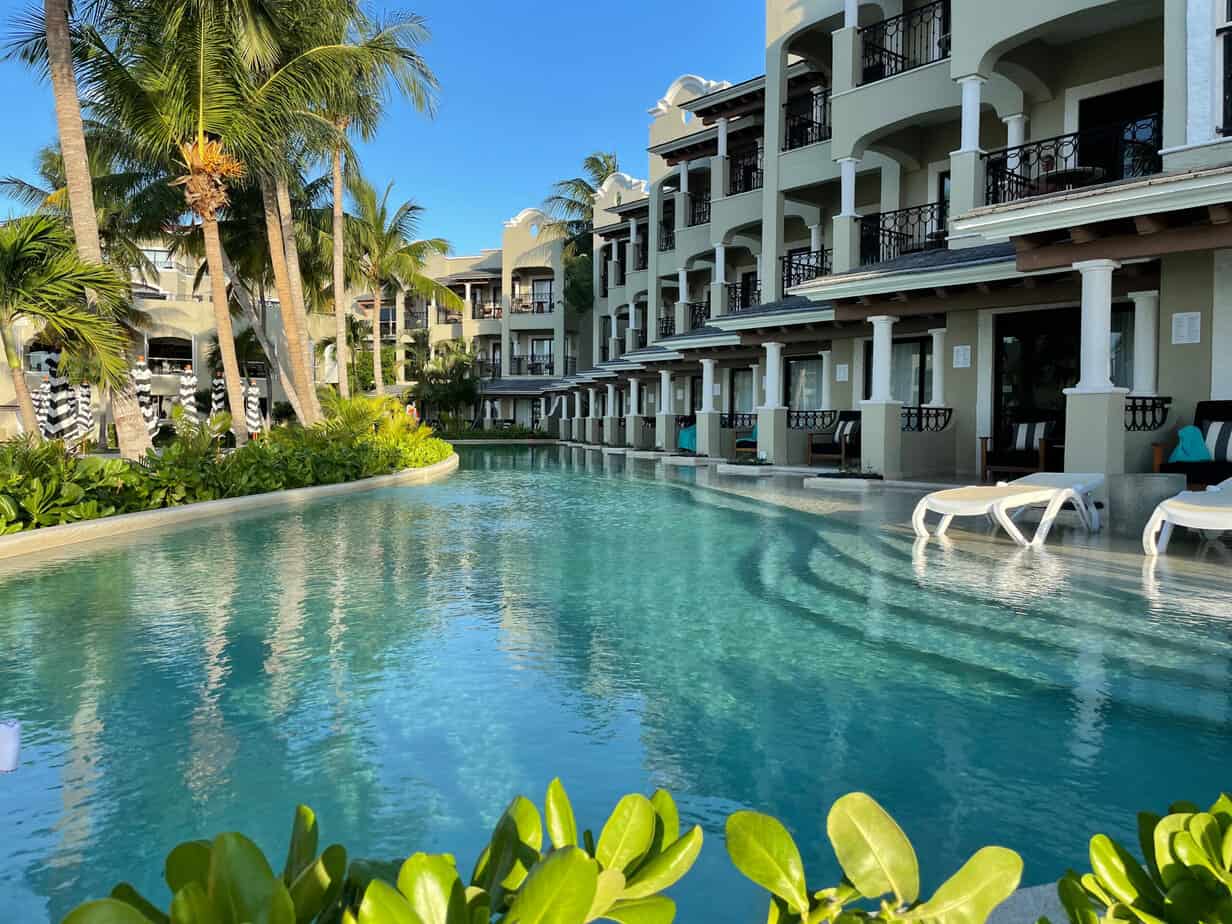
{"x": 962, "y": 356}
{"x": 841, "y": 372}
{"x": 1187, "y": 327}
{"x": 716, "y": 389}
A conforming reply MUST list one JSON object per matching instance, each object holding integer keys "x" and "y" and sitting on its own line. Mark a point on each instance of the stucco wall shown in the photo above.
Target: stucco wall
{"x": 1186, "y": 284}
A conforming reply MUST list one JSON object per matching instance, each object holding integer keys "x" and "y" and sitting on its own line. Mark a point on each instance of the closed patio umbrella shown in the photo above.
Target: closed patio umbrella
{"x": 85, "y": 413}
{"x": 188, "y": 395}
{"x": 252, "y": 408}
{"x": 218, "y": 395}
{"x": 62, "y": 404}
{"x": 42, "y": 403}
{"x": 145, "y": 394}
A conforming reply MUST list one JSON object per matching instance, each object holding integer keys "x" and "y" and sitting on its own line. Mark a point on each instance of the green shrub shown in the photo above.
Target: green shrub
{"x": 365, "y": 376}
{"x": 510, "y": 433}
{"x": 520, "y": 876}
{"x": 879, "y": 866}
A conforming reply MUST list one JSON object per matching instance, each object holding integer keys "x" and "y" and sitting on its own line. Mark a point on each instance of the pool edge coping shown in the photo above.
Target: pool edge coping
{"x": 49, "y": 538}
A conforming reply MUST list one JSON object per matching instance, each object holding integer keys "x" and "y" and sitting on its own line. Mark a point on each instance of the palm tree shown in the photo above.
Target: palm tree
{"x": 386, "y": 258}
{"x": 73, "y": 303}
{"x": 357, "y": 107}
{"x": 571, "y": 206}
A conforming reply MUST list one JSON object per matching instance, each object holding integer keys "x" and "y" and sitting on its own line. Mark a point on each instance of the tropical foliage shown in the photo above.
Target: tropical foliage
{"x": 537, "y": 867}
{"x": 448, "y": 385}
{"x": 571, "y": 206}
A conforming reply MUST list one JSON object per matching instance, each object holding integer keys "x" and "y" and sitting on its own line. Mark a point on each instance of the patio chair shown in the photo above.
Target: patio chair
{"x": 1004, "y": 502}
{"x": 1031, "y": 442}
{"x": 1214, "y": 420}
{"x": 842, "y": 444}
{"x": 1209, "y": 511}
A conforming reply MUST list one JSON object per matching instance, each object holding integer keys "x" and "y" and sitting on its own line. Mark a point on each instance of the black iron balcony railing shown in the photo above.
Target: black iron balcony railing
{"x": 813, "y": 421}
{"x": 745, "y": 171}
{"x": 640, "y": 338}
{"x": 531, "y": 365}
{"x": 737, "y": 421}
{"x": 486, "y": 311}
{"x": 799, "y": 268}
{"x": 667, "y": 324}
{"x": 488, "y": 369}
{"x": 641, "y": 256}
{"x": 889, "y": 235}
{"x": 667, "y": 237}
{"x": 448, "y": 315}
{"x": 1086, "y": 157}
{"x": 806, "y": 120}
{"x": 538, "y": 303}
{"x": 699, "y": 315}
{"x": 415, "y": 319}
{"x": 699, "y": 209}
{"x": 1145, "y": 415}
{"x": 926, "y": 419}
{"x": 902, "y": 43}
{"x": 741, "y": 297}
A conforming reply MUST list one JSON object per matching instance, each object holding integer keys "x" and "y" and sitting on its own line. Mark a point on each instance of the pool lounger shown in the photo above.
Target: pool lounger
{"x": 1005, "y": 501}
{"x": 1209, "y": 510}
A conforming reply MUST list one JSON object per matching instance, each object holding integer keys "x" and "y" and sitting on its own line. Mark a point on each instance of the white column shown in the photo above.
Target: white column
{"x": 883, "y": 350}
{"x": 612, "y": 409}
{"x": 633, "y": 236}
{"x": 1095, "y": 368}
{"x": 722, "y": 137}
{"x": 720, "y": 264}
{"x": 577, "y": 405}
{"x": 684, "y": 177}
{"x": 851, "y": 14}
{"x": 468, "y": 294}
{"x": 1015, "y": 130}
{"x": 543, "y": 407}
{"x": 847, "y": 174}
{"x": 971, "y": 87}
{"x": 665, "y": 392}
{"x": 708, "y": 366}
{"x": 815, "y": 238}
{"x": 1146, "y": 341}
{"x": 774, "y": 375}
{"x": 682, "y": 278}
{"x": 827, "y": 374}
{"x": 593, "y": 404}
{"x": 635, "y": 394}
{"x": 939, "y": 362}
{"x": 1200, "y": 82}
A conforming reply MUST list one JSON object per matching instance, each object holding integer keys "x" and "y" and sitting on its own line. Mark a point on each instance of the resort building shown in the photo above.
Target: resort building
{"x": 956, "y": 238}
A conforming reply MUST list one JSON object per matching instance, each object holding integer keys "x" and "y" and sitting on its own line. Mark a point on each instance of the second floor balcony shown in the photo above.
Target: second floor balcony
{"x": 699, "y": 209}
{"x": 415, "y": 319}
{"x": 1088, "y": 157}
{"x": 667, "y": 237}
{"x": 890, "y": 235}
{"x": 532, "y": 365}
{"x": 488, "y": 369}
{"x": 745, "y": 171}
{"x": 903, "y": 43}
{"x": 806, "y": 120}
{"x": 486, "y": 311}
{"x": 667, "y": 324}
{"x": 448, "y": 315}
{"x": 699, "y": 315}
{"x": 741, "y": 297}
{"x": 533, "y": 303}
{"x": 799, "y": 268}
{"x": 641, "y": 256}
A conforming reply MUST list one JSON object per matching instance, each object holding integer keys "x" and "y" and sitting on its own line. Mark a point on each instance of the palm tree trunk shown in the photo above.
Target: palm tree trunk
{"x": 282, "y": 284}
{"x": 297, "y": 292}
{"x": 341, "y": 350}
{"x": 222, "y": 320}
{"x": 25, "y": 405}
{"x": 133, "y": 437}
{"x": 377, "y": 300}
{"x": 284, "y": 376}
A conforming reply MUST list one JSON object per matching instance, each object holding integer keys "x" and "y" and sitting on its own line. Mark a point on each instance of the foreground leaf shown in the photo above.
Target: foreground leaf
{"x": 872, "y": 849}
{"x": 559, "y": 890}
{"x": 383, "y": 904}
{"x": 432, "y": 888}
{"x": 970, "y": 895}
{"x": 663, "y": 871}
{"x": 105, "y": 911}
{"x": 657, "y": 910}
{"x": 558, "y": 811}
{"x": 628, "y": 832}
{"x": 302, "y": 850}
{"x": 763, "y": 850}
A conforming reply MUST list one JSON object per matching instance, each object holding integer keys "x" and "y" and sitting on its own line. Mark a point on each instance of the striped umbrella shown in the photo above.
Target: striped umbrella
{"x": 218, "y": 395}
{"x": 42, "y": 402}
{"x": 188, "y": 395}
{"x": 85, "y": 413}
{"x": 252, "y": 408}
{"x": 62, "y": 404}
{"x": 145, "y": 394}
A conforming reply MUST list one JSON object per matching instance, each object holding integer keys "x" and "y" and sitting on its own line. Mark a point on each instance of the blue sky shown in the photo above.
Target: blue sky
{"x": 528, "y": 89}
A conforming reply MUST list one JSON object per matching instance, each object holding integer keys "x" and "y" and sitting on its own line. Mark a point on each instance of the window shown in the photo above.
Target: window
{"x": 161, "y": 259}
{"x": 911, "y": 370}
{"x": 168, "y": 355}
{"x": 1123, "y": 346}
{"x": 541, "y": 348}
{"x": 742, "y": 391}
{"x": 804, "y": 384}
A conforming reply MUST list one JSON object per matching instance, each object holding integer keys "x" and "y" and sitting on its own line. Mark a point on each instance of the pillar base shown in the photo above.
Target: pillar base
{"x": 846, "y": 243}
{"x": 718, "y": 300}
{"x": 593, "y": 430}
{"x": 682, "y": 317}
{"x": 709, "y": 435}
{"x": 610, "y": 430}
{"x": 615, "y": 347}
{"x": 968, "y": 189}
{"x": 637, "y": 435}
{"x": 772, "y": 435}
{"x": 881, "y": 439}
{"x": 578, "y": 429}
{"x": 665, "y": 432}
{"x": 1095, "y": 431}
{"x": 631, "y": 340}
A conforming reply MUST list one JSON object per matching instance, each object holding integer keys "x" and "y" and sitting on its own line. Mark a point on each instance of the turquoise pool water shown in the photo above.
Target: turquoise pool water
{"x": 406, "y": 660}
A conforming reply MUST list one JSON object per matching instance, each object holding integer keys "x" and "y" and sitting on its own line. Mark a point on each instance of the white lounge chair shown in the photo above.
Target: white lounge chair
{"x": 1006, "y": 501}
{"x": 1209, "y": 511}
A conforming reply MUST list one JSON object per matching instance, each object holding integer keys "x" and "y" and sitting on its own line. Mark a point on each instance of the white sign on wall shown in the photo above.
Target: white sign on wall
{"x": 1187, "y": 327}
{"x": 841, "y": 372}
{"x": 962, "y": 356}
{"x": 716, "y": 390}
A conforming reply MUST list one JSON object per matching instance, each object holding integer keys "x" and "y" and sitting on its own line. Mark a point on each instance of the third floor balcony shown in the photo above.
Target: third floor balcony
{"x": 903, "y": 43}
{"x": 805, "y": 266}
{"x": 806, "y": 120}
{"x": 699, "y": 209}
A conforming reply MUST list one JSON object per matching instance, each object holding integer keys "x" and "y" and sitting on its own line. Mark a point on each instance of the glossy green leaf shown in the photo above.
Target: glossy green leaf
{"x": 1188, "y": 901}
{"x": 669, "y": 817}
{"x": 1183, "y": 807}
{"x": 1075, "y": 901}
{"x": 610, "y": 884}
{"x": 558, "y": 813}
{"x": 514, "y": 849}
{"x": 383, "y": 904}
{"x": 1171, "y": 870}
{"x": 478, "y": 905}
{"x": 1123, "y": 877}
{"x": 872, "y": 849}
{"x": 432, "y": 888}
{"x": 302, "y": 850}
{"x": 1096, "y": 891}
{"x": 780, "y": 913}
{"x": 1225, "y": 850}
{"x": 763, "y": 850}
{"x": 104, "y": 911}
{"x": 656, "y": 910}
{"x": 558, "y": 890}
{"x": 665, "y": 869}
{"x": 1222, "y": 810}
{"x": 1190, "y": 852}
{"x": 124, "y": 892}
{"x": 188, "y": 862}
{"x": 970, "y": 895}
{"x": 317, "y": 886}
{"x": 627, "y": 834}
{"x": 1205, "y": 831}
{"x": 192, "y": 906}
{"x": 1147, "y": 822}
{"x": 242, "y": 886}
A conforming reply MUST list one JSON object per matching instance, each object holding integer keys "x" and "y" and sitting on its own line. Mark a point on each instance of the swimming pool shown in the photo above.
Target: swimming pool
{"x": 406, "y": 660}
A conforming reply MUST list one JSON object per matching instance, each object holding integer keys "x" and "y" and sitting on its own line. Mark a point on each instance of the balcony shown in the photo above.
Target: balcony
{"x": 641, "y": 256}
{"x": 667, "y": 324}
{"x": 488, "y": 369}
{"x": 699, "y": 210}
{"x": 799, "y": 268}
{"x": 538, "y": 303}
{"x": 806, "y": 120}
{"x": 448, "y": 315}
{"x": 531, "y": 365}
{"x": 903, "y": 43}
{"x": 486, "y": 311}
{"x": 699, "y": 315}
{"x": 1122, "y": 151}
{"x": 667, "y": 237}
{"x": 745, "y": 173}
{"x": 889, "y": 235}
{"x": 415, "y": 320}
{"x": 741, "y": 297}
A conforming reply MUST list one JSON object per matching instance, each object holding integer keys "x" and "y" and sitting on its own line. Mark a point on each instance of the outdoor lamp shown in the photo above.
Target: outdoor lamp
{"x": 10, "y": 744}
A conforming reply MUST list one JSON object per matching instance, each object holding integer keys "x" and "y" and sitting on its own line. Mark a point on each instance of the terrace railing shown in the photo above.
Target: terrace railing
{"x": 1087, "y": 157}
{"x": 604, "y": 351}
{"x": 903, "y": 43}
{"x": 889, "y": 235}
{"x": 699, "y": 315}
{"x": 1146, "y": 414}
{"x": 641, "y": 256}
{"x": 448, "y": 315}
{"x": 532, "y": 304}
{"x": 799, "y": 268}
{"x": 806, "y": 120}
{"x": 925, "y": 419}
{"x": 745, "y": 172}
{"x": 486, "y": 311}
{"x": 813, "y": 421}
{"x": 667, "y": 324}
{"x": 415, "y": 320}
{"x": 1224, "y": 36}
{"x": 531, "y": 365}
{"x": 737, "y": 421}
{"x": 488, "y": 369}
{"x": 685, "y": 420}
{"x": 741, "y": 297}
{"x": 667, "y": 237}
{"x": 699, "y": 209}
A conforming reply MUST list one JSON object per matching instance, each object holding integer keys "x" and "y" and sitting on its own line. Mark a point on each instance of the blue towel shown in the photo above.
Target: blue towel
{"x": 687, "y": 439}
{"x": 1190, "y": 447}
{"x": 750, "y": 440}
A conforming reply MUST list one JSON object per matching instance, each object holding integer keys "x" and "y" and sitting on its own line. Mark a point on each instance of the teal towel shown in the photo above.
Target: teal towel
{"x": 687, "y": 439}
{"x": 750, "y": 440}
{"x": 1190, "y": 447}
